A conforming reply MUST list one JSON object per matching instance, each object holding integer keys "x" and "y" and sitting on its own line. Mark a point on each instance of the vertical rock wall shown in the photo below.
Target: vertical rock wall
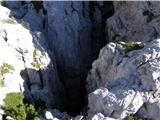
{"x": 76, "y": 33}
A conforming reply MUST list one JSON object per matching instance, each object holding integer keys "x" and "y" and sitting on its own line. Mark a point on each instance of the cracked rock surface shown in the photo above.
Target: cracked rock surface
{"x": 124, "y": 82}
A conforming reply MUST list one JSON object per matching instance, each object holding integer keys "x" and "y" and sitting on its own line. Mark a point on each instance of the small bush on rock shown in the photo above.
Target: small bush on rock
{"x": 131, "y": 117}
{"x": 17, "y": 109}
{"x": 35, "y": 62}
{"x": 5, "y": 68}
{"x": 132, "y": 46}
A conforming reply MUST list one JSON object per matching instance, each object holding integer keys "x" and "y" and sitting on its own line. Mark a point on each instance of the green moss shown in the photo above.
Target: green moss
{"x": 17, "y": 109}
{"x": 131, "y": 117}
{"x": 1, "y": 83}
{"x": 31, "y": 113}
{"x": 35, "y": 53}
{"x": 14, "y": 106}
{"x": 36, "y": 65}
{"x": 35, "y": 62}
{"x": 132, "y": 46}
{"x": 6, "y": 68}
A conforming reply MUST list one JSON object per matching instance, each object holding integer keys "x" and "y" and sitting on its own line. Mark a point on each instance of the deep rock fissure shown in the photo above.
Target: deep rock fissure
{"x": 75, "y": 85}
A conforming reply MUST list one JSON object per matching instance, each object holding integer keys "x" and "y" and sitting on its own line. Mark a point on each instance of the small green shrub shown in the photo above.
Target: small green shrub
{"x": 14, "y": 107}
{"x": 35, "y": 53}
{"x": 131, "y": 117}
{"x": 6, "y": 68}
{"x": 31, "y": 113}
{"x": 36, "y": 65}
{"x": 35, "y": 62}
{"x": 132, "y": 46}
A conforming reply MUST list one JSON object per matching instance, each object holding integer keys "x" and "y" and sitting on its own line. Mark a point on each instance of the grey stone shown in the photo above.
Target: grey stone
{"x": 123, "y": 82}
{"x": 136, "y": 21}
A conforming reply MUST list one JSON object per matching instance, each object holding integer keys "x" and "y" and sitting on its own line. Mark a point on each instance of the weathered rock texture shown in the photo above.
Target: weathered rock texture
{"x": 32, "y": 72}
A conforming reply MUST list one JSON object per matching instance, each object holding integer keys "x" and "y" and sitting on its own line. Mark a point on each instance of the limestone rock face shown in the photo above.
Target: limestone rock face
{"x": 136, "y": 21}
{"x": 25, "y": 64}
{"x": 125, "y": 82}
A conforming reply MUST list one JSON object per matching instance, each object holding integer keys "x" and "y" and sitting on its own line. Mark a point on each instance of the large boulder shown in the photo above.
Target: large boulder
{"x": 125, "y": 80}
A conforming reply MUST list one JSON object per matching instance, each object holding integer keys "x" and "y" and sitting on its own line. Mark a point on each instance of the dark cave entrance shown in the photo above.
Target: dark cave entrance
{"x": 76, "y": 99}
{"x": 75, "y": 93}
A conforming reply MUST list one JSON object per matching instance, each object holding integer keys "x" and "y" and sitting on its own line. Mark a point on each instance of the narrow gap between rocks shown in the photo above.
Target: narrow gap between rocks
{"x": 76, "y": 100}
